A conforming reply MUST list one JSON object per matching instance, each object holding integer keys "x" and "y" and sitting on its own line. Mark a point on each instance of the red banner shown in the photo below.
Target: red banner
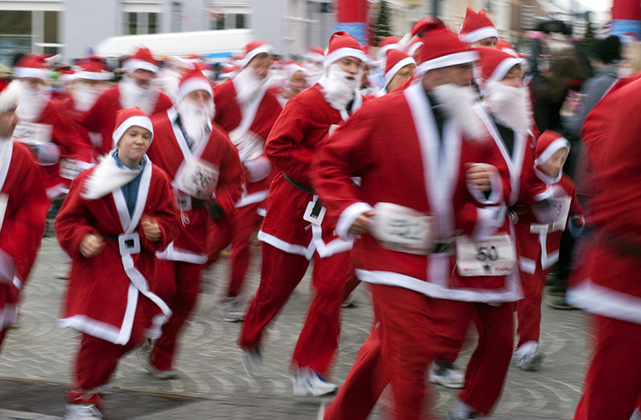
{"x": 351, "y": 10}
{"x": 623, "y": 10}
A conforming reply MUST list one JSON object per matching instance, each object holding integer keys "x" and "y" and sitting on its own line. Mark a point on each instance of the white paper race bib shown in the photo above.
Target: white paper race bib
{"x": 199, "y": 179}
{"x": 314, "y": 213}
{"x": 69, "y": 168}
{"x": 31, "y": 133}
{"x": 402, "y": 229}
{"x": 249, "y": 144}
{"x": 494, "y": 256}
{"x": 553, "y": 214}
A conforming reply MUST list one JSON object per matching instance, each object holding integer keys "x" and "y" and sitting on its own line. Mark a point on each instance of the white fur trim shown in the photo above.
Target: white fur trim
{"x": 93, "y": 75}
{"x": 604, "y": 301}
{"x": 397, "y": 67}
{"x": 8, "y": 316}
{"x": 306, "y": 252}
{"x": 479, "y": 34}
{"x": 549, "y": 260}
{"x": 314, "y": 57}
{"x": 171, "y": 253}
{"x": 266, "y": 49}
{"x": 20, "y": 72}
{"x": 328, "y": 249}
{"x": 252, "y": 198}
{"x": 192, "y": 85}
{"x": 527, "y": 265}
{"x": 347, "y": 217}
{"x": 411, "y": 50}
{"x": 133, "y": 64}
{"x": 90, "y": 326}
{"x": 556, "y": 145}
{"x": 342, "y": 53}
{"x": 381, "y": 51}
{"x": 139, "y": 121}
{"x": 447, "y": 60}
{"x": 501, "y": 70}
{"x": 9, "y": 97}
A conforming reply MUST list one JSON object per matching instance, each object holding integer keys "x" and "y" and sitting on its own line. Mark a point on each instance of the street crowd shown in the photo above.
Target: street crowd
{"x": 454, "y": 176}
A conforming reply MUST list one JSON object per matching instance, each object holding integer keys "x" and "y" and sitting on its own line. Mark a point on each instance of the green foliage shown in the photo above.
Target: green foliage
{"x": 588, "y": 37}
{"x": 382, "y": 28}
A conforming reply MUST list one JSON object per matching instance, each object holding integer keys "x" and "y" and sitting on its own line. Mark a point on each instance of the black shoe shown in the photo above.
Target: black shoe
{"x": 560, "y": 303}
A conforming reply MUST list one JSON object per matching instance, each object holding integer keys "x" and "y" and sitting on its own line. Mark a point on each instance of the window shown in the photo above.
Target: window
{"x": 152, "y": 23}
{"x": 132, "y": 23}
{"x": 220, "y": 22}
{"x": 240, "y": 21}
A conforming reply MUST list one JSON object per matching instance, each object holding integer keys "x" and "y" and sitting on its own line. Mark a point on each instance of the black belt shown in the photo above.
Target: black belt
{"x": 112, "y": 238}
{"x": 299, "y": 186}
{"x": 197, "y": 204}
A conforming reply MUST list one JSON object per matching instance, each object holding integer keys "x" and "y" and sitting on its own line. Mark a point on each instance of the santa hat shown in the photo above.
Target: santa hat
{"x": 442, "y": 48}
{"x": 494, "y": 64}
{"x": 229, "y": 71}
{"x": 67, "y": 76}
{"x": 9, "y": 96}
{"x": 290, "y": 69}
{"x": 314, "y": 54}
{"x": 93, "y": 69}
{"x": 386, "y": 44}
{"x": 142, "y": 59}
{"x": 341, "y": 45}
{"x": 253, "y": 49}
{"x": 505, "y": 46}
{"x": 32, "y": 66}
{"x": 415, "y": 45}
{"x": 477, "y": 26}
{"x": 192, "y": 81}
{"x": 548, "y": 144}
{"x": 126, "y": 118}
{"x": 396, "y": 60}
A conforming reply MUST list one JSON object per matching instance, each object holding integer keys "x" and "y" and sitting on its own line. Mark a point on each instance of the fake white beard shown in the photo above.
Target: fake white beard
{"x": 132, "y": 95}
{"x": 510, "y": 105}
{"x": 457, "y": 104}
{"x": 32, "y": 102}
{"x": 107, "y": 177}
{"x": 338, "y": 90}
{"x": 248, "y": 86}
{"x": 196, "y": 119}
{"x": 84, "y": 96}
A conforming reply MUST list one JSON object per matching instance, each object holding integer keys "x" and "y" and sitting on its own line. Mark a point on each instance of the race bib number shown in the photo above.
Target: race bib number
{"x": 69, "y": 168}
{"x": 553, "y": 214}
{"x": 31, "y": 133}
{"x": 402, "y": 229}
{"x": 249, "y": 144}
{"x": 199, "y": 179}
{"x": 494, "y": 256}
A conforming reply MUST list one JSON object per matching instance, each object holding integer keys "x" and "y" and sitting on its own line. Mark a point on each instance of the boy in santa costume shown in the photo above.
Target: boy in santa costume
{"x": 538, "y": 235}
{"x": 295, "y": 232}
{"x": 399, "y": 67}
{"x": 433, "y": 184}
{"x": 134, "y": 90}
{"x": 200, "y": 161}
{"x": 23, "y": 206}
{"x": 478, "y": 30}
{"x": 247, "y": 111}
{"x": 116, "y": 217}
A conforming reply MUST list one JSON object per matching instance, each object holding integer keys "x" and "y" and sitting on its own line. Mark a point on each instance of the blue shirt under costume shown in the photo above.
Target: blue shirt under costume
{"x": 130, "y": 190}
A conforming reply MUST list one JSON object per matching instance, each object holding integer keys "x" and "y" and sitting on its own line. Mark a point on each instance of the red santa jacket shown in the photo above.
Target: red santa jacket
{"x": 101, "y": 117}
{"x": 291, "y": 147}
{"x": 392, "y": 147}
{"x": 229, "y": 116}
{"x": 168, "y": 152}
{"x": 612, "y": 284}
{"x": 23, "y": 222}
{"x": 104, "y": 290}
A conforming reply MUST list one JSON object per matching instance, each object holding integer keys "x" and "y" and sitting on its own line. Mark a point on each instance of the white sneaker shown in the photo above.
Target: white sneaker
{"x": 307, "y": 382}
{"x": 233, "y": 309}
{"x": 444, "y": 373}
{"x": 82, "y": 412}
{"x": 252, "y": 362}
{"x": 531, "y": 359}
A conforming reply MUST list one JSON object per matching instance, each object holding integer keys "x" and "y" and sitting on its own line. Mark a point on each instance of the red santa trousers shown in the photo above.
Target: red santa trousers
{"x": 235, "y": 230}
{"x": 187, "y": 280}
{"x": 97, "y": 359}
{"x": 613, "y": 382}
{"x": 280, "y": 274}
{"x": 450, "y": 330}
{"x": 528, "y": 309}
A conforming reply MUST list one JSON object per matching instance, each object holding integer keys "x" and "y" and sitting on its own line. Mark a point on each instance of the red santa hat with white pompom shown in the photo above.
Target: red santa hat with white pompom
{"x": 342, "y": 45}
{"x": 441, "y": 47}
{"x": 31, "y": 66}
{"x": 494, "y": 65}
{"x": 477, "y": 26}
{"x": 192, "y": 81}
{"x": 127, "y": 118}
{"x": 253, "y": 49}
{"x": 396, "y": 60}
{"x": 141, "y": 60}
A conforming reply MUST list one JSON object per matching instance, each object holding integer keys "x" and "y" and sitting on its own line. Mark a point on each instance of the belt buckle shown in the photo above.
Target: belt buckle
{"x": 129, "y": 243}
{"x": 183, "y": 202}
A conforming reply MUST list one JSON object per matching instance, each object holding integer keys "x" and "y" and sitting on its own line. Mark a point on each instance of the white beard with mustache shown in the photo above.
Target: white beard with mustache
{"x": 196, "y": 119}
{"x": 510, "y": 105}
{"x": 84, "y": 96}
{"x": 32, "y": 102}
{"x": 134, "y": 95}
{"x": 248, "y": 86}
{"x": 457, "y": 104}
{"x": 340, "y": 87}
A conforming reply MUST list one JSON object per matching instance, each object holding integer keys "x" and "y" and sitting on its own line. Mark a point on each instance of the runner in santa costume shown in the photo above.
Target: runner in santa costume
{"x": 295, "y": 232}
{"x": 89, "y": 82}
{"x": 247, "y": 111}
{"x": 294, "y": 81}
{"x": 23, "y": 206}
{"x": 478, "y": 30}
{"x": 608, "y": 285}
{"x": 433, "y": 184}
{"x": 48, "y": 129}
{"x": 134, "y": 90}
{"x": 313, "y": 61}
{"x": 116, "y": 217}
{"x": 200, "y": 160}
{"x": 399, "y": 67}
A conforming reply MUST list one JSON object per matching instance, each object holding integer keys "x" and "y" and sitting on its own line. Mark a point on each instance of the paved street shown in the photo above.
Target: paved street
{"x": 35, "y": 362}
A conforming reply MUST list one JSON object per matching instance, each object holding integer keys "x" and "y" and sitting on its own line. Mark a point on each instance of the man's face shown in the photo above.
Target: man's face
{"x": 514, "y": 77}
{"x": 486, "y": 42}
{"x": 297, "y": 84}
{"x": 198, "y": 97}
{"x": 33, "y": 82}
{"x": 8, "y": 122}
{"x": 143, "y": 77}
{"x": 400, "y": 77}
{"x": 351, "y": 65}
{"x": 460, "y": 75}
{"x": 260, "y": 65}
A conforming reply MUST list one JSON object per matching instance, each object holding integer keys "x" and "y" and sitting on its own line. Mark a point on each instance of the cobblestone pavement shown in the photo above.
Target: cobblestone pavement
{"x": 35, "y": 362}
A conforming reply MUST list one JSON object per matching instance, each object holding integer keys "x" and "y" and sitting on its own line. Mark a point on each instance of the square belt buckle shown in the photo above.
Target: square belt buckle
{"x": 129, "y": 243}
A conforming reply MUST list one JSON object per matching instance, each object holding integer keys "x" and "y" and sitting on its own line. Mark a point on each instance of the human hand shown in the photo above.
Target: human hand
{"x": 150, "y": 228}
{"x": 478, "y": 176}
{"x": 362, "y": 223}
{"x": 91, "y": 245}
